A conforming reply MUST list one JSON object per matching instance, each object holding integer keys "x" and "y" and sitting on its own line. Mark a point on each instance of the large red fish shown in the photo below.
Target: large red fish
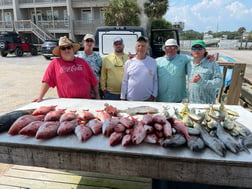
{"x": 31, "y": 129}
{"x": 43, "y": 110}
{"x": 127, "y": 122}
{"x": 108, "y": 127}
{"x": 54, "y": 115}
{"x": 67, "y": 127}
{"x": 115, "y": 138}
{"x": 151, "y": 138}
{"x": 126, "y": 140}
{"x": 139, "y": 133}
{"x": 47, "y": 130}
{"x": 85, "y": 115}
{"x": 22, "y": 122}
{"x": 68, "y": 116}
{"x": 102, "y": 115}
{"x": 83, "y": 132}
{"x": 95, "y": 125}
{"x": 167, "y": 129}
{"x": 180, "y": 127}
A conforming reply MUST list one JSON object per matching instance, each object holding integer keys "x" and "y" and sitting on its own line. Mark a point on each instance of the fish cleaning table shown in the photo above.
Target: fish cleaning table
{"x": 145, "y": 160}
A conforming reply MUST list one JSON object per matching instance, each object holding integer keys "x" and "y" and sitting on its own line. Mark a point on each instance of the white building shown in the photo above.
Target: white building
{"x": 44, "y": 19}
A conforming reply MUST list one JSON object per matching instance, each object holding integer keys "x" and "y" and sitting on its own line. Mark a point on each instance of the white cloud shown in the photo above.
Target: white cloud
{"x": 204, "y": 15}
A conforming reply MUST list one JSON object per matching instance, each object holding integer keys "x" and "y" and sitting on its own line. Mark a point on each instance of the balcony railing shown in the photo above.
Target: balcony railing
{"x": 82, "y": 27}
{"x": 55, "y": 25}
{"x": 89, "y": 3}
{"x": 6, "y": 26}
{"x": 41, "y": 1}
{"x": 6, "y": 2}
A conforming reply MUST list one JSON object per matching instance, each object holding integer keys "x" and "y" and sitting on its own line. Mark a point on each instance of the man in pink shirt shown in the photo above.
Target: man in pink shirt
{"x": 72, "y": 76}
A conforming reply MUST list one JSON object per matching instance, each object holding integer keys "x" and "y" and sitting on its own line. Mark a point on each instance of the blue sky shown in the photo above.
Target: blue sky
{"x": 214, "y": 15}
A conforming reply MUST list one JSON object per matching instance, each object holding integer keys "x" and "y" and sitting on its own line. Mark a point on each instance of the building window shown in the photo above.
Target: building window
{"x": 86, "y": 15}
{"x": 55, "y": 15}
{"x": 101, "y": 15}
{"x": 7, "y": 16}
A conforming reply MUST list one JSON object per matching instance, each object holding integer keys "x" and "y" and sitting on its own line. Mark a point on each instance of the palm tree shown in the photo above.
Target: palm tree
{"x": 156, "y": 8}
{"x": 122, "y": 13}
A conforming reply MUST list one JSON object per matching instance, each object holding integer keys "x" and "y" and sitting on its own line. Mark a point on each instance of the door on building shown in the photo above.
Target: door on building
{"x": 36, "y": 17}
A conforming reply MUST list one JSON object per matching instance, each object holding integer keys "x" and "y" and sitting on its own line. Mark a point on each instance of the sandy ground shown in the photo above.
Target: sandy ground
{"x": 21, "y": 81}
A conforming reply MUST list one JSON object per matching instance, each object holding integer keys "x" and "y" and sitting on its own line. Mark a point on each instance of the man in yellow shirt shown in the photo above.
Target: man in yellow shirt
{"x": 112, "y": 71}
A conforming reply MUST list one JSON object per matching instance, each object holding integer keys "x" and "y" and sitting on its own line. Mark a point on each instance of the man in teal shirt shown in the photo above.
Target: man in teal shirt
{"x": 172, "y": 70}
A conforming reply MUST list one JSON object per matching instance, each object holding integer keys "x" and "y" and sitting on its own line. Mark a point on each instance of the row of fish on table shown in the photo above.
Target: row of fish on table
{"x": 212, "y": 127}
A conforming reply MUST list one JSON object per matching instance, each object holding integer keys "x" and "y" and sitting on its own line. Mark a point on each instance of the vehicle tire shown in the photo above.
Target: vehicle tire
{"x": 19, "y": 52}
{"x": 47, "y": 57}
{"x": 34, "y": 51}
{"x": 3, "y": 45}
{"x": 4, "y": 53}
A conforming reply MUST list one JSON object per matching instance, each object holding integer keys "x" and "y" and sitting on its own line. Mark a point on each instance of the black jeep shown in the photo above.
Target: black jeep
{"x": 11, "y": 42}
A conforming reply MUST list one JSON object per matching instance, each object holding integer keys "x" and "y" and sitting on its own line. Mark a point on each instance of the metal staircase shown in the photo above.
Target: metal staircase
{"x": 28, "y": 25}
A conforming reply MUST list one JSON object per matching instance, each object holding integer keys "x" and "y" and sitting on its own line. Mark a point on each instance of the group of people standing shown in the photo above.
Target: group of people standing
{"x": 120, "y": 76}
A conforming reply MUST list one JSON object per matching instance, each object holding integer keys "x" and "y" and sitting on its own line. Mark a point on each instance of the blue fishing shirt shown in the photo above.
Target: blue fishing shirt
{"x": 172, "y": 78}
{"x": 203, "y": 92}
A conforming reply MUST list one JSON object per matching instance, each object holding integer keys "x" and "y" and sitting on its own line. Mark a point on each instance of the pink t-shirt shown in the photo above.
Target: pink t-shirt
{"x": 73, "y": 79}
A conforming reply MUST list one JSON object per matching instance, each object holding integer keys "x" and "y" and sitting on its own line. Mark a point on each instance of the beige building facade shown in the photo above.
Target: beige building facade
{"x": 44, "y": 19}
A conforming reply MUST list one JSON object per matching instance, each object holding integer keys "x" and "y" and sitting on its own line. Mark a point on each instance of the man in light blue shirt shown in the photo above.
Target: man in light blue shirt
{"x": 204, "y": 76}
{"x": 93, "y": 58}
{"x": 172, "y": 70}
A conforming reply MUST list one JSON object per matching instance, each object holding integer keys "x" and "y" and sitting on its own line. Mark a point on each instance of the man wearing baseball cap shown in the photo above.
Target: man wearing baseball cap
{"x": 204, "y": 76}
{"x": 112, "y": 71}
{"x": 93, "y": 58}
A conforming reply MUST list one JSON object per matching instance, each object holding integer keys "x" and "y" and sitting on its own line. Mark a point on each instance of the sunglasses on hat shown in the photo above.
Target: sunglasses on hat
{"x": 64, "y": 48}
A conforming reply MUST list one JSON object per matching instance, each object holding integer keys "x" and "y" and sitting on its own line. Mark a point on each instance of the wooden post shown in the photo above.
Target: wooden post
{"x": 236, "y": 82}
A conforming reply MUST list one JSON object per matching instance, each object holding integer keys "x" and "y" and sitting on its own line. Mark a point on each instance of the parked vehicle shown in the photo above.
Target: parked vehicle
{"x": 105, "y": 35}
{"x": 11, "y": 42}
{"x": 47, "y": 47}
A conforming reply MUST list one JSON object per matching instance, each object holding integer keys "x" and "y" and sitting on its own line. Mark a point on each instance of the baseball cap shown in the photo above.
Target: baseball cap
{"x": 118, "y": 39}
{"x": 199, "y": 42}
{"x": 142, "y": 38}
{"x": 171, "y": 42}
{"x": 89, "y": 36}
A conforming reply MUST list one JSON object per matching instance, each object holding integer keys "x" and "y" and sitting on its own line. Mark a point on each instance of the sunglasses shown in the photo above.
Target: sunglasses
{"x": 64, "y": 48}
{"x": 170, "y": 47}
{"x": 197, "y": 48}
{"x": 89, "y": 41}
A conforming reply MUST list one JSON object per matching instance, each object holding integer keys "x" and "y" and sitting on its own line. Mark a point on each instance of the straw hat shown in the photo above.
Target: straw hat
{"x": 64, "y": 41}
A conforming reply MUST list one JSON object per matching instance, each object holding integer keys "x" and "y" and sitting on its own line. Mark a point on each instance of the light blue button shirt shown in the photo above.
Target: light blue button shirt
{"x": 172, "y": 78}
{"x": 203, "y": 92}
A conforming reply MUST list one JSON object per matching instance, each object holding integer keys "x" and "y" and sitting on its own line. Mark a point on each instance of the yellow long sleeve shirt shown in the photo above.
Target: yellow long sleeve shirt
{"x": 112, "y": 72}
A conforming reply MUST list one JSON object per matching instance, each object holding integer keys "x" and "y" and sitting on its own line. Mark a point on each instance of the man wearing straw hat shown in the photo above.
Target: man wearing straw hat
{"x": 72, "y": 76}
